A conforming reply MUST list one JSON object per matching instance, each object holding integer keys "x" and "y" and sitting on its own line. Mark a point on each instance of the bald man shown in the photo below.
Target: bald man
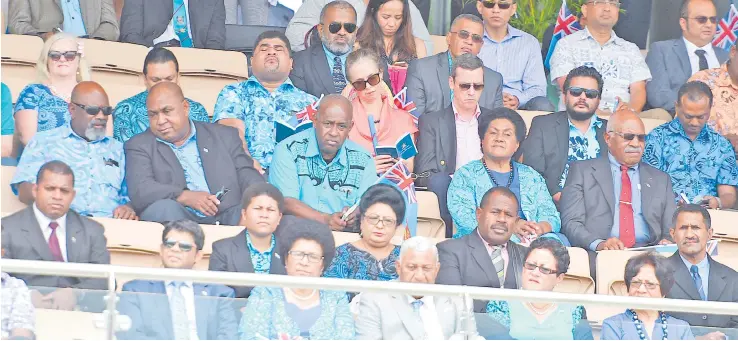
{"x": 183, "y": 169}
{"x": 320, "y": 172}
{"x": 96, "y": 159}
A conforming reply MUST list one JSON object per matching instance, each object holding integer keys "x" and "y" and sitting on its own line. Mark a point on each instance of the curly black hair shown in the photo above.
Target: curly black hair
{"x": 308, "y": 230}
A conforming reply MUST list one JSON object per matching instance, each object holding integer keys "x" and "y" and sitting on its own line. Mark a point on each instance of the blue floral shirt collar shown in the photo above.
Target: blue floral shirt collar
{"x": 285, "y": 87}
{"x": 261, "y": 261}
{"x": 594, "y": 123}
{"x": 675, "y": 126}
{"x": 253, "y": 249}
{"x": 313, "y": 150}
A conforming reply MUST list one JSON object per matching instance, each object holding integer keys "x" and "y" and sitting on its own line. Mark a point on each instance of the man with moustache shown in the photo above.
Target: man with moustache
{"x": 97, "y": 160}
{"x": 578, "y": 134}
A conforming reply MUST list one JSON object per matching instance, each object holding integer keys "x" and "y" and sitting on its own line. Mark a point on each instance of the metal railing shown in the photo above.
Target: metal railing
{"x": 253, "y": 280}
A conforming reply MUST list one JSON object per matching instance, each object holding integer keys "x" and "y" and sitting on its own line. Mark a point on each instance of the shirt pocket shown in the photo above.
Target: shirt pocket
{"x": 113, "y": 177}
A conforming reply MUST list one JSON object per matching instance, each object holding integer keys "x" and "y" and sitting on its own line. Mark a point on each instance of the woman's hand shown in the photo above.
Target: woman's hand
{"x": 524, "y": 228}
{"x": 383, "y": 163}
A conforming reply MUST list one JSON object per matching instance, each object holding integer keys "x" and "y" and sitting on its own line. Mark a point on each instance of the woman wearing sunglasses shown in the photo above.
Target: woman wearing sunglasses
{"x": 370, "y": 97}
{"x": 544, "y": 267}
{"x": 646, "y": 275}
{"x": 45, "y": 105}
{"x": 289, "y": 313}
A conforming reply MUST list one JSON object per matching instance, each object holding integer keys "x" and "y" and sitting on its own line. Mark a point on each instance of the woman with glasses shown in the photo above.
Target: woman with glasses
{"x": 371, "y": 98}
{"x": 544, "y": 267}
{"x": 290, "y": 313}
{"x": 45, "y": 105}
{"x": 501, "y": 132}
{"x": 373, "y": 257}
{"x": 646, "y": 275}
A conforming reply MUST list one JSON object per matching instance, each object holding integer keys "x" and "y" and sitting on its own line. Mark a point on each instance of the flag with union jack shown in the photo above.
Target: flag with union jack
{"x": 402, "y": 178}
{"x": 566, "y": 24}
{"x": 401, "y": 102}
{"x": 727, "y": 30}
{"x": 308, "y": 114}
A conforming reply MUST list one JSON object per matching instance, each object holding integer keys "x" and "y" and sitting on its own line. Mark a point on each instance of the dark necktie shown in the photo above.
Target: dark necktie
{"x": 54, "y": 243}
{"x": 339, "y": 80}
{"x": 697, "y": 281}
{"x": 703, "y": 59}
{"x": 627, "y": 229}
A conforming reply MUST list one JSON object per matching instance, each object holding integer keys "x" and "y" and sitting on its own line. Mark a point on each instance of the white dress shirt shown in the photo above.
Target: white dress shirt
{"x": 169, "y": 32}
{"x": 429, "y": 316}
{"x": 694, "y": 60}
{"x": 188, "y": 293}
{"x": 61, "y": 230}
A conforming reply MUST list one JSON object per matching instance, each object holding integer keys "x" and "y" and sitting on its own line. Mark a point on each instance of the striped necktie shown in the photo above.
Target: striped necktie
{"x": 698, "y": 281}
{"x": 499, "y": 264}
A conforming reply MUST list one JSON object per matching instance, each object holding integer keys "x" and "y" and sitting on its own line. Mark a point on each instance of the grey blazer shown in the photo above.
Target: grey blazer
{"x": 86, "y": 243}
{"x": 548, "y": 153}
{"x": 142, "y": 21}
{"x": 427, "y": 85}
{"x": 465, "y": 261}
{"x": 37, "y": 17}
{"x": 154, "y": 173}
{"x": 723, "y": 287}
{"x": 588, "y": 202}
{"x": 668, "y": 61}
{"x": 391, "y": 317}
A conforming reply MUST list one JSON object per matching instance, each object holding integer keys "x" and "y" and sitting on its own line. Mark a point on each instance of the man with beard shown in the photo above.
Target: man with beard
{"x": 254, "y": 105}
{"x": 577, "y": 131}
{"x": 97, "y": 160}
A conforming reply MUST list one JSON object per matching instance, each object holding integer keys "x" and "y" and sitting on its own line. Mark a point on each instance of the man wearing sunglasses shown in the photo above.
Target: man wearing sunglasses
{"x": 187, "y": 310}
{"x": 673, "y": 62}
{"x": 96, "y": 159}
{"x": 428, "y": 78}
{"x": 700, "y": 161}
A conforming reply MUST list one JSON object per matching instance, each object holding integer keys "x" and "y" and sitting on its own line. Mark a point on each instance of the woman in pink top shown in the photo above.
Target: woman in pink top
{"x": 370, "y": 96}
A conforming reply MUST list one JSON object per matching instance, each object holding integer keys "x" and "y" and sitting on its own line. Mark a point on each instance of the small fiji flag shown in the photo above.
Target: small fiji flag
{"x": 308, "y": 114}
{"x": 401, "y": 102}
{"x": 727, "y": 30}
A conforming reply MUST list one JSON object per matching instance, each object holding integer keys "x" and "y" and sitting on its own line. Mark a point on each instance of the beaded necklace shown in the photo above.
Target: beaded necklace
{"x": 494, "y": 182}
{"x": 639, "y": 325}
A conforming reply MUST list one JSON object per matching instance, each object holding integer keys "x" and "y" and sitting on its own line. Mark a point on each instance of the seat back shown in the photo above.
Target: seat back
{"x": 430, "y": 223}
{"x": 67, "y": 325}
{"x": 651, "y": 123}
{"x": 610, "y": 271}
{"x": 115, "y": 56}
{"x": 17, "y": 75}
{"x": 528, "y": 116}
{"x": 723, "y": 223}
{"x": 204, "y": 89}
{"x": 439, "y": 44}
{"x": 10, "y": 203}
{"x": 21, "y": 48}
{"x": 577, "y": 279}
{"x": 243, "y": 37}
{"x": 228, "y": 64}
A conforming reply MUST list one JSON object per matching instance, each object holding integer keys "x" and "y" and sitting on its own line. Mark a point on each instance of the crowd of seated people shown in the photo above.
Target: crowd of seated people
{"x": 512, "y": 199}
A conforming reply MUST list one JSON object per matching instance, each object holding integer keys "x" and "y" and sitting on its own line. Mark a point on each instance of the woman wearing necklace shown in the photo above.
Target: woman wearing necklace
{"x": 287, "y": 313}
{"x": 44, "y": 105}
{"x": 501, "y": 131}
{"x": 544, "y": 267}
{"x": 646, "y": 275}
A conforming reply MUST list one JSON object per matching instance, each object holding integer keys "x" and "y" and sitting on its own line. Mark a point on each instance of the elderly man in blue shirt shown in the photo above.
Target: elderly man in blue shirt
{"x": 253, "y": 106}
{"x": 97, "y": 160}
{"x": 320, "y": 172}
{"x": 701, "y": 162}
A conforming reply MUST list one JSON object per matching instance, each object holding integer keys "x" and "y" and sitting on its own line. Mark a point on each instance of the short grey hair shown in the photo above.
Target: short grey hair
{"x": 471, "y": 17}
{"x": 337, "y": 4}
{"x": 419, "y": 244}
{"x": 466, "y": 61}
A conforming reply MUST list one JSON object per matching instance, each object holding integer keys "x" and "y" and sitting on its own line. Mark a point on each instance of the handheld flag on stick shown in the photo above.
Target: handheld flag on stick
{"x": 566, "y": 24}
{"x": 727, "y": 30}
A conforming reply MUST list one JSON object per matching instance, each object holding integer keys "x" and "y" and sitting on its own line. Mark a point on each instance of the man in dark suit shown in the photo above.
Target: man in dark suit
{"x": 578, "y": 134}
{"x": 194, "y": 23}
{"x": 478, "y": 259}
{"x": 427, "y": 78}
{"x": 673, "y": 62}
{"x": 697, "y": 276}
{"x": 164, "y": 310}
{"x": 181, "y": 169}
{"x": 47, "y": 230}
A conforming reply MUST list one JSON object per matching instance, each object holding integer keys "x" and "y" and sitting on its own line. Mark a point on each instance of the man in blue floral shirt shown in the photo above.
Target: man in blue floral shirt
{"x": 701, "y": 162}
{"x": 253, "y": 106}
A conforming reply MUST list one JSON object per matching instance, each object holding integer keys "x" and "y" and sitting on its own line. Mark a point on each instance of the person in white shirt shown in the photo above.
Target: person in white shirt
{"x": 401, "y": 317}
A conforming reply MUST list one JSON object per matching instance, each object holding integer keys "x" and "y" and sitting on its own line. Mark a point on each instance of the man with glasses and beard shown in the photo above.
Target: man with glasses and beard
{"x": 577, "y": 131}
{"x": 97, "y": 160}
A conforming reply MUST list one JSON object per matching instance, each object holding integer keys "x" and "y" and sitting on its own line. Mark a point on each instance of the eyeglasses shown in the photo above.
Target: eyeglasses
{"x": 69, "y": 56}
{"x": 542, "y": 269}
{"x": 467, "y": 86}
{"x": 703, "y": 19}
{"x": 590, "y": 93}
{"x": 606, "y": 3}
{"x": 630, "y": 136}
{"x": 335, "y": 27}
{"x": 501, "y": 4}
{"x": 312, "y": 257}
{"x": 184, "y": 246}
{"x": 92, "y": 110}
{"x": 372, "y": 80}
{"x": 637, "y": 284}
{"x": 374, "y": 220}
{"x": 464, "y": 34}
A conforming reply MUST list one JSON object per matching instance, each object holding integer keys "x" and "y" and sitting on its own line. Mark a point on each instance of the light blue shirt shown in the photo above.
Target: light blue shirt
{"x": 703, "y": 268}
{"x": 73, "y": 22}
{"x": 518, "y": 58}
{"x": 581, "y": 146}
{"x": 330, "y": 56}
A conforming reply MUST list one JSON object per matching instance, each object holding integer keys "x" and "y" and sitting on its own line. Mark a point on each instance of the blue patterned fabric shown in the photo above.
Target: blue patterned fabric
{"x": 621, "y": 327}
{"x": 130, "y": 117}
{"x": 351, "y": 262}
{"x": 262, "y": 261}
{"x": 8, "y": 124}
{"x": 695, "y": 167}
{"x": 265, "y": 317}
{"x": 561, "y": 324}
{"x": 259, "y": 109}
{"x": 99, "y": 168}
{"x": 582, "y": 147}
{"x": 471, "y": 181}
{"x": 299, "y": 171}
{"x": 53, "y": 111}
{"x": 179, "y": 23}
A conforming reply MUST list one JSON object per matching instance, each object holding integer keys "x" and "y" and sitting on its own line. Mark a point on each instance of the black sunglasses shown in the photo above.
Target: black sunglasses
{"x": 92, "y": 110}
{"x": 631, "y": 136}
{"x": 501, "y": 4}
{"x": 360, "y": 85}
{"x": 184, "y": 246}
{"x": 464, "y": 34}
{"x": 335, "y": 27}
{"x": 703, "y": 19}
{"x": 68, "y": 55}
{"x": 541, "y": 268}
{"x": 467, "y": 86}
{"x": 577, "y": 91}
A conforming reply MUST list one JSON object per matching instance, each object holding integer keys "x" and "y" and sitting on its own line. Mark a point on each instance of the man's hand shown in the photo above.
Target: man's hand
{"x": 125, "y": 212}
{"x": 258, "y": 167}
{"x": 557, "y": 197}
{"x": 383, "y": 163}
{"x": 351, "y": 218}
{"x": 63, "y": 299}
{"x": 712, "y": 202}
{"x": 510, "y": 101}
{"x": 40, "y": 301}
{"x": 524, "y": 228}
{"x": 335, "y": 222}
{"x": 202, "y": 201}
{"x": 712, "y": 336}
{"x": 611, "y": 244}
